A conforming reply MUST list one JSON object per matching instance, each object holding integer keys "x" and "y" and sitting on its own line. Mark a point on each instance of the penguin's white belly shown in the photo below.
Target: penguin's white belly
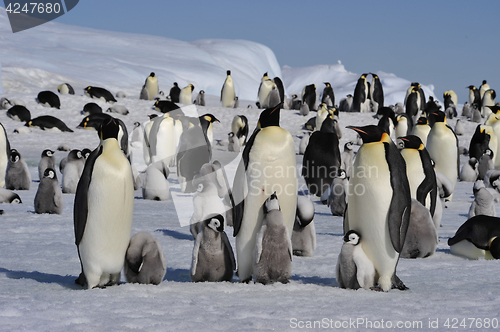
{"x": 368, "y": 206}
{"x": 265, "y": 89}
{"x": 271, "y": 168}
{"x": 185, "y": 97}
{"x": 152, "y": 87}
{"x": 3, "y": 159}
{"x": 442, "y": 148}
{"x": 228, "y": 94}
{"x": 422, "y": 132}
{"x": 165, "y": 142}
{"x": 468, "y": 250}
{"x": 109, "y": 222}
{"x": 414, "y": 170}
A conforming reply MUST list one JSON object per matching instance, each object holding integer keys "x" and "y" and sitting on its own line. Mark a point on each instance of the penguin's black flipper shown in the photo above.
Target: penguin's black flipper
{"x": 398, "y": 216}
{"x": 81, "y": 206}
{"x": 397, "y": 283}
{"x": 227, "y": 244}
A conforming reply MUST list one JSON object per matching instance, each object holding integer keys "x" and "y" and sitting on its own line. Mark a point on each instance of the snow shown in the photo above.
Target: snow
{"x": 38, "y": 257}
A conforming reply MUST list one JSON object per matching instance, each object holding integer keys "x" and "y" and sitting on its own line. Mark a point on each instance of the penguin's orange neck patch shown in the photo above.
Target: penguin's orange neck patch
{"x": 385, "y": 138}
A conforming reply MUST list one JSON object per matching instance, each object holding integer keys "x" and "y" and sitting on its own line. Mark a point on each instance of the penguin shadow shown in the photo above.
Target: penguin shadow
{"x": 445, "y": 251}
{"x": 331, "y": 234}
{"x": 179, "y": 275}
{"x": 316, "y": 280}
{"x": 175, "y": 234}
{"x": 46, "y": 278}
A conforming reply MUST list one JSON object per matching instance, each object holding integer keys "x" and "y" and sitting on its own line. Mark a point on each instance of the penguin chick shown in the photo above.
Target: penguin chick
{"x": 213, "y": 257}
{"x": 304, "y": 232}
{"x": 234, "y": 143}
{"x": 8, "y": 196}
{"x": 469, "y": 172}
{"x": 354, "y": 269}
{"x": 49, "y": 197}
{"x": 337, "y": 200}
{"x": 347, "y": 159}
{"x": 17, "y": 175}
{"x": 144, "y": 261}
{"x": 47, "y": 161}
{"x": 156, "y": 186}
{"x": 483, "y": 202}
{"x": 459, "y": 127}
{"x": 421, "y": 237}
{"x": 273, "y": 249}
{"x": 72, "y": 171}
{"x": 485, "y": 164}
{"x": 304, "y": 141}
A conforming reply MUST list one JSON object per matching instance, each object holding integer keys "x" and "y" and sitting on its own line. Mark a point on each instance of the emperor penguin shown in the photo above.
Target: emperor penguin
{"x": 281, "y": 90}
{"x": 442, "y": 144}
{"x": 421, "y": 238}
{"x": 72, "y": 171}
{"x": 91, "y": 108}
{"x": 150, "y": 88}
{"x": 227, "y": 94}
{"x": 466, "y": 110}
{"x": 185, "y": 97}
{"x": 103, "y": 219}
{"x": 304, "y": 141}
{"x": 469, "y": 172}
{"x": 239, "y": 126}
{"x": 265, "y": 87}
{"x": 485, "y": 163}
{"x": 273, "y": 248}
{"x": 345, "y": 104}
{"x": 49, "y": 197}
{"x": 339, "y": 191}
{"x": 376, "y": 90}
{"x": 65, "y": 89}
{"x": 213, "y": 257}
{"x": 234, "y": 143}
{"x": 200, "y": 98}
{"x": 347, "y": 159}
{"x": 488, "y": 100}
{"x": 17, "y": 175}
{"x": 474, "y": 95}
{"x": 270, "y": 148}
{"x": 328, "y": 96}
{"x": 174, "y": 93}
{"x": 476, "y": 114}
{"x": 404, "y": 125}
{"x": 420, "y": 172}
{"x": 304, "y": 109}
{"x": 478, "y": 237}
{"x": 380, "y": 211}
{"x": 412, "y": 104}
{"x": 304, "y": 232}
{"x": 323, "y": 113}
{"x": 99, "y": 93}
{"x": 450, "y": 99}
{"x": 48, "y": 99}
{"x": 156, "y": 186}
{"x": 483, "y": 203}
{"x": 459, "y": 127}
{"x": 354, "y": 269}
{"x": 360, "y": 99}
{"x": 144, "y": 261}
{"x": 160, "y": 139}
{"x": 8, "y": 196}
{"x": 48, "y": 160}
{"x": 483, "y": 88}
{"x": 479, "y": 142}
{"x": 4, "y": 154}
{"x": 309, "y": 96}
{"x": 321, "y": 159}
{"x": 19, "y": 113}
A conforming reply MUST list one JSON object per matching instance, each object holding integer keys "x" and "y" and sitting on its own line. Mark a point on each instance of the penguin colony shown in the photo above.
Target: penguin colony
{"x": 403, "y": 201}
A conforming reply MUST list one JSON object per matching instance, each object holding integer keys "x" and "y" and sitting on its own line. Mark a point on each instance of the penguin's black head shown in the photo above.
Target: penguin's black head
{"x": 473, "y": 162}
{"x": 86, "y": 153}
{"x": 494, "y": 108}
{"x": 47, "y": 153}
{"x": 228, "y": 72}
{"x": 412, "y": 142}
{"x": 495, "y": 248}
{"x": 175, "y": 84}
{"x": 210, "y": 118}
{"x": 215, "y": 222}
{"x": 422, "y": 121}
{"x": 370, "y": 133}
{"x": 109, "y": 129}
{"x": 492, "y": 93}
{"x": 192, "y": 87}
{"x": 49, "y": 173}
{"x": 328, "y": 125}
{"x": 326, "y": 83}
{"x": 471, "y": 87}
{"x": 75, "y": 154}
{"x": 152, "y": 74}
{"x": 14, "y": 156}
{"x": 270, "y": 116}
{"x": 484, "y": 82}
{"x": 152, "y": 116}
{"x": 272, "y": 203}
{"x": 439, "y": 116}
{"x": 352, "y": 237}
{"x": 348, "y": 146}
{"x": 265, "y": 74}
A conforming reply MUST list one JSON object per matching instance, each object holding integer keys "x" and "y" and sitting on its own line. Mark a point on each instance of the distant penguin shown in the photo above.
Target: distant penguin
{"x": 328, "y": 96}
{"x": 47, "y": 161}
{"x": 476, "y": 114}
{"x": 309, "y": 96}
{"x": 234, "y": 143}
{"x": 477, "y": 237}
{"x": 213, "y": 257}
{"x": 160, "y": 140}
{"x": 273, "y": 248}
{"x": 450, "y": 99}
{"x": 48, "y": 99}
{"x": 304, "y": 109}
{"x": 360, "y": 98}
{"x": 5, "y": 103}
{"x": 404, "y": 125}
{"x": 72, "y": 171}
{"x": 483, "y": 203}
{"x": 165, "y": 106}
{"x": 421, "y": 238}
{"x": 474, "y": 96}
{"x": 156, "y": 186}
{"x": 121, "y": 94}
{"x": 347, "y": 158}
{"x": 483, "y": 88}
{"x": 103, "y": 219}
{"x": 295, "y": 102}
{"x": 412, "y": 107}
{"x": 485, "y": 164}
{"x": 65, "y": 89}
{"x": 174, "y": 93}
{"x": 321, "y": 159}
{"x": 488, "y": 100}
{"x": 310, "y": 124}
{"x": 466, "y": 110}
{"x": 304, "y": 232}
{"x": 304, "y": 141}
{"x": 420, "y": 172}
{"x": 479, "y": 142}
{"x": 99, "y": 93}
{"x": 120, "y": 109}
{"x": 48, "y": 122}
{"x": 381, "y": 214}
{"x": 200, "y": 98}
{"x": 91, "y": 108}
{"x": 150, "y": 88}
{"x": 270, "y": 148}
{"x": 281, "y": 89}
{"x": 354, "y": 269}
{"x": 144, "y": 261}
{"x": 4, "y": 154}
{"x": 459, "y": 127}
{"x": 469, "y": 172}
{"x": 186, "y": 97}
{"x": 265, "y": 87}
{"x": 137, "y": 133}
{"x": 227, "y": 94}
{"x": 239, "y": 126}
{"x": 8, "y": 196}
{"x": 376, "y": 90}
{"x": 49, "y": 197}
{"x": 236, "y": 103}
{"x": 345, "y": 104}
{"x": 17, "y": 175}
{"x": 19, "y": 113}
{"x": 339, "y": 191}
{"x": 442, "y": 144}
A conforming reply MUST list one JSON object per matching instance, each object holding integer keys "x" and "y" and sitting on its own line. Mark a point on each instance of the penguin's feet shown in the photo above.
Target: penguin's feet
{"x": 81, "y": 280}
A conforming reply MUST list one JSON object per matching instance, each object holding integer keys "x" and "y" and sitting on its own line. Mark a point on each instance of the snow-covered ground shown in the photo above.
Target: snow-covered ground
{"x": 38, "y": 257}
